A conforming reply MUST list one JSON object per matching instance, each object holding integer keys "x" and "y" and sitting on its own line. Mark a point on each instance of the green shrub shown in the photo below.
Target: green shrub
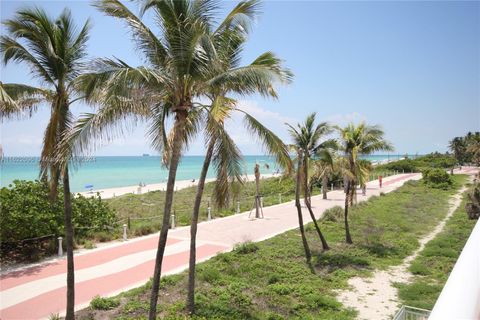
{"x": 246, "y": 247}
{"x": 433, "y": 160}
{"x": 103, "y": 236}
{"x": 405, "y": 165}
{"x": 280, "y": 288}
{"x": 333, "y": 214}
{"x": 273, "y": 278}
{"x": 89, "y": 244}
{"x": 92, "y": 213}
{"x": 437, "y": 178}
{"x": 99, "y": 303}
{"x": 209, "y": 275}
{"x": 27, "y": 212}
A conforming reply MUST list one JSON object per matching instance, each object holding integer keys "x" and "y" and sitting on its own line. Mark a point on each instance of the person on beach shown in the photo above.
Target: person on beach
{"x": 380, "y": 180}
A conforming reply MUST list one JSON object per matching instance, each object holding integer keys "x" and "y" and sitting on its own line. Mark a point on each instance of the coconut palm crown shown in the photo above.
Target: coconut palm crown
{"x": 55, "y": 52}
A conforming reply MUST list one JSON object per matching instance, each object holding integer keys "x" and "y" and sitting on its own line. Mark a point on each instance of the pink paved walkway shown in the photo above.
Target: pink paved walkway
{"x": 38, "y": 291}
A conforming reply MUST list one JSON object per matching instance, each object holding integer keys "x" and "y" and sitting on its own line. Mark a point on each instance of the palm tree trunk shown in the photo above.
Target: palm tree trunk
{"x": 257, "y": 190}
{"x": 308, "y": 254}
{"x": 348, "y": 238}
{"x": 324, "y": 186}
{"x": 178, "y": 137}
{"x": 193, "y": 230}
{"x": 67, "y": 207}
{"x": 309, "y": 207}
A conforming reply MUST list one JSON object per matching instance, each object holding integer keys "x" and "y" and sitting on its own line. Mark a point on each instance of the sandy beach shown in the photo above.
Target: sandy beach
{"x": 182, "y": 184}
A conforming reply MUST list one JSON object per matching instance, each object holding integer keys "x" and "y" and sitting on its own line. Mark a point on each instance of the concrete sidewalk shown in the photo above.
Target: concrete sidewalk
{"x": 39, "y": 291}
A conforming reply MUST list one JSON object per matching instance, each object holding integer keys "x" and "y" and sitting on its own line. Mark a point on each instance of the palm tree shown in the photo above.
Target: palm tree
{"x": 55, "y": 51}
{"x": 473, "y": 147}
{"x": 306, "y": 141}
{"x": 181, "y": 66}
{"x": 458, "y": 146}
{"x": 229, "y": 45}
{"x": 298, "y": 184}
{"x": 354, "y": 141}
{"x": 323, "y": 169}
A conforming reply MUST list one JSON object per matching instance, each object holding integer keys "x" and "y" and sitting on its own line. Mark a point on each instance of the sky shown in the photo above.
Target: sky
{"x": 411, "y": 67}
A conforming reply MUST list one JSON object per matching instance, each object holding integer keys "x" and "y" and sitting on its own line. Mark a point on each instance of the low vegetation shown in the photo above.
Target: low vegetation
{"x": 143, "y": 210}
{"x": 434, "y": 264}
{"x": 418, "y": 164}
{"x": 26, "y": 212}
{"x": 270, "y": 280}
{"x": 437, "y": 178}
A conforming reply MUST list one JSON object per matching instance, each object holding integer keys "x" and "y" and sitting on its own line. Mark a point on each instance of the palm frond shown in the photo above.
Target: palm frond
{"x": 19, "y": 100}
{"x": 144, "y": 38}
{"x": 241, "y": 17}
{"x": 227, "y": 162}
{"x": 272, "y": 143}
{"x": 260, "y": 76}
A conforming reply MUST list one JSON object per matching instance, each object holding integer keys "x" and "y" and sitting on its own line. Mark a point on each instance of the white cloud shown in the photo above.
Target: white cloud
{"x": 263, "y": 114}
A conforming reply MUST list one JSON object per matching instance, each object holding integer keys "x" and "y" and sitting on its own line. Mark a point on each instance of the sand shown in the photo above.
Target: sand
{"x": 376, "y": 297}
{"x": 182, "y": 184}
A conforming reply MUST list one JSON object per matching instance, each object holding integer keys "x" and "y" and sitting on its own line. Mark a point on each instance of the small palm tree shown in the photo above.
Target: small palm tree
{"x": 307, "y": 143}
{"x": 458, "y": 146}
{"x": 55, "y": 51}
{"x": 298, "y": 185}
{"x": 355, "y": 141}
{"x": 324, "y": 169}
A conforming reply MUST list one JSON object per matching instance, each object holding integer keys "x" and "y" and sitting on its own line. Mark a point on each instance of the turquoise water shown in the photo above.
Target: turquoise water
{"x": 111, "y": 172}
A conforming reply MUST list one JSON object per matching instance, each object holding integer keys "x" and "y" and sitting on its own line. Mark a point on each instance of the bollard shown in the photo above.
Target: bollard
{"x": 125, "y": 232}
{"x": 403, "y": 170}
{"x": 279, "y": 198}
{"x": 238, "y": 207}
{"x": 261, "y": 201}
{"x": 60, "y": 247}
{"x": 332, "y": 187}
{"x": 209, "y": 213}
{"x": 172, "y": 223}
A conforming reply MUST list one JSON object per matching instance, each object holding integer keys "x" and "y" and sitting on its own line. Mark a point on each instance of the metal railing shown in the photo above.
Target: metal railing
{"x": 411, "y": 313}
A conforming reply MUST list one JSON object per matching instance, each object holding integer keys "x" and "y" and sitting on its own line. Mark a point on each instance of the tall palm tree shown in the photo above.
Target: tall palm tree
{"x": 180, "y": 70}
{"x": 354, "y": 141}
{"x": 229, "y": 48}
{"x": 307, "y": 141}
{"x": 55, "y": 52}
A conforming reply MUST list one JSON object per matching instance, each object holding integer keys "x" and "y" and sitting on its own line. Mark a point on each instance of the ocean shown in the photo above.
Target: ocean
{"x": 121, "y": 171}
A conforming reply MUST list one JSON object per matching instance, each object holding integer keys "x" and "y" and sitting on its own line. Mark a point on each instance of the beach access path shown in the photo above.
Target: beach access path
{"x": 38, "y": 291}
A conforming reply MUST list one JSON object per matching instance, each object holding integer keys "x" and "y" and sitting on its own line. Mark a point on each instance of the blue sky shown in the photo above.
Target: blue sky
{"x": 412, "y": 67}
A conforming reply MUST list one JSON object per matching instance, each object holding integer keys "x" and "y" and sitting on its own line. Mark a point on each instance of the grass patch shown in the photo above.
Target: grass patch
{"x": 141, "y": 208}
{"x": 273, "y": 281}
{"x": 434, "y": 264}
